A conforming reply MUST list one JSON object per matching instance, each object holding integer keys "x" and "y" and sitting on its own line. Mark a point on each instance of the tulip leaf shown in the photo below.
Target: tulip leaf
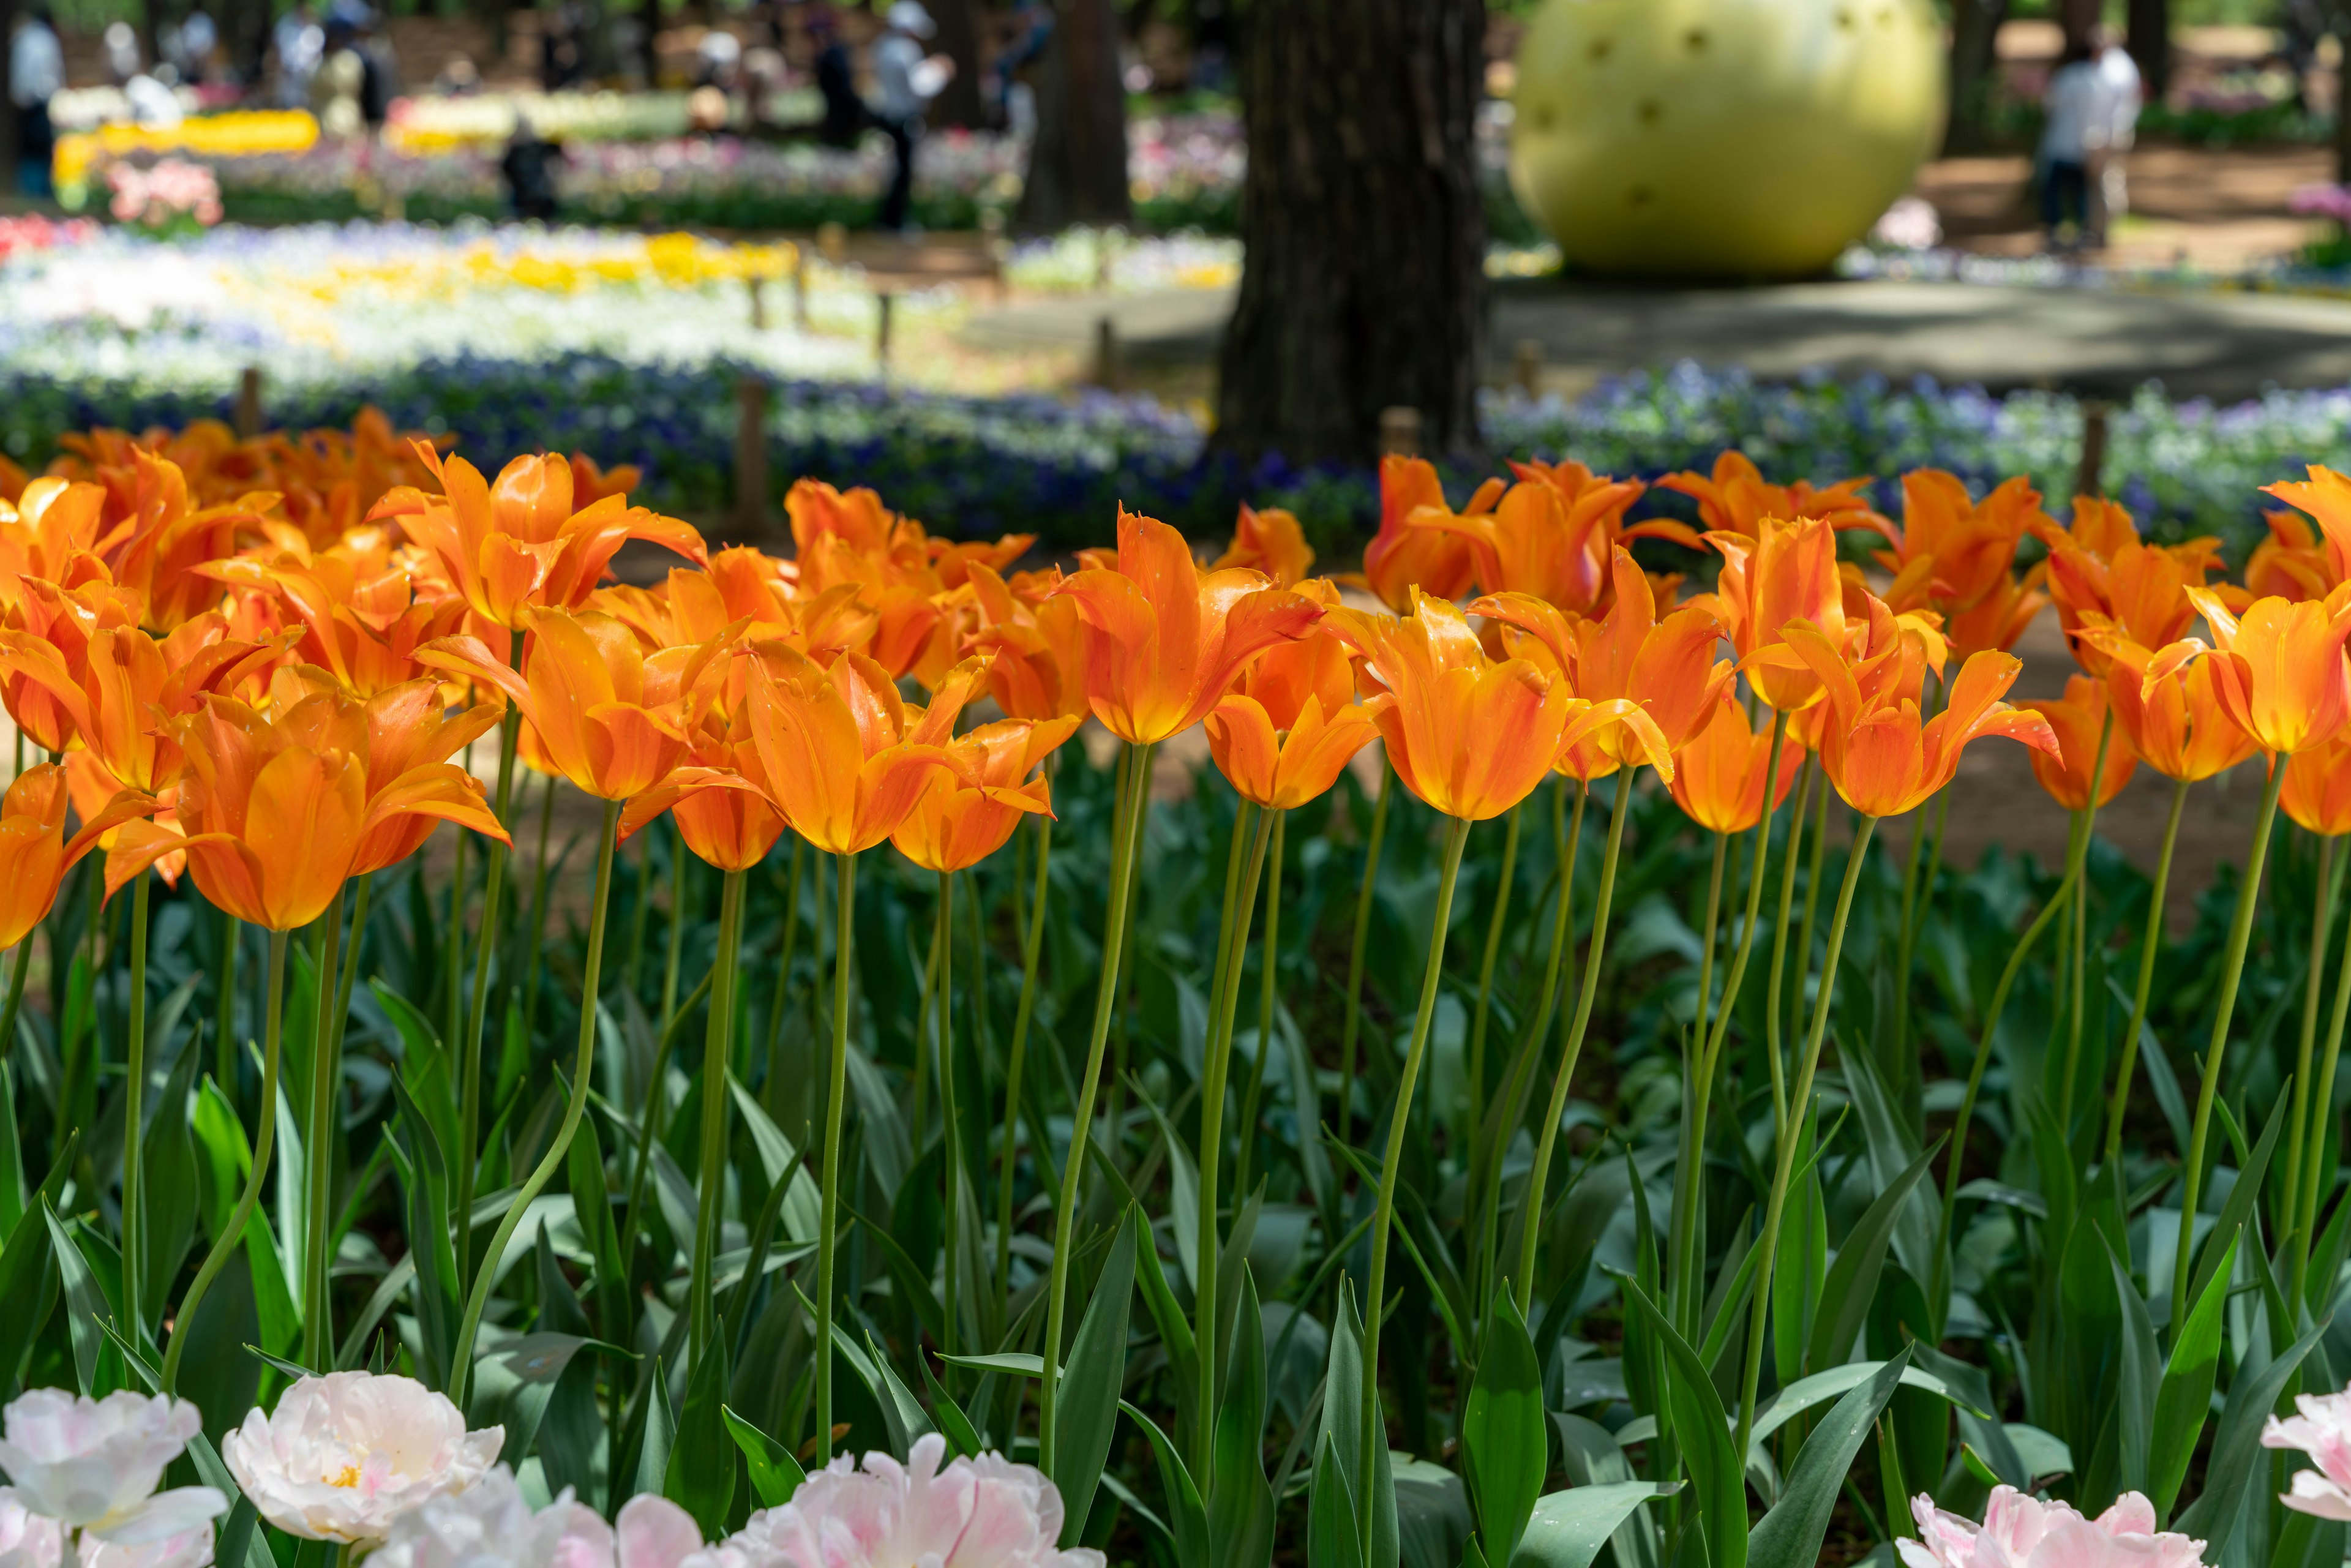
{"x": 2142, "y": 1370}
{"x": 25, "y": 1277}
{"x": 700, "y": 1474}
{"x": 2239, "y": 1207}
{"x": 1504, "y": 1436}
{"x": 85, "y": 1305}
{"x": 1790, "y": 1534}
{"x": 775, "y": 1474}
{"x": 1332, "y": 1537}
{"x": 2236, "y": 1444}
{"x": 650, "y": 1435}
{"x": 1703, "y": 1431}
{"x": 955, "y": 1425}
{"x": 1188, "y": 1520}
{"x": 1240, "y": 1500}
{"x": 1089, "y": 1390}
{"x": 1852, "y": 1282}
{"x": 2183, "y": 1401}
{"x": 1568, "y": 1528}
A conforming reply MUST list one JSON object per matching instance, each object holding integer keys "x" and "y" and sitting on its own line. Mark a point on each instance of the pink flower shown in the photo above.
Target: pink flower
{"x": 2021, "y": 1531}
{"x": 27, "y": 1540}
{"x": 343, "y": 1454}
{"x": 2322, "y": 1428}
{"x": 652, "y": 1532}
{"x": 94, "y": 1464}
{"x": 987, "y": 1513}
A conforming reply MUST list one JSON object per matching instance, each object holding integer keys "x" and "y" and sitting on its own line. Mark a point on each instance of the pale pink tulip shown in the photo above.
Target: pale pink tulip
{"x": 491, "y": 1525}
{"x": 93, "y": 1465}
{"x": 2321, "y": 1428}
{"x": 2021, "y": 1531}
{"x": 27, "y": 1540}
{"x": 344, "y": 1454}
{"x": 189, "y": 1548}
{"x": 987, "y": 1513}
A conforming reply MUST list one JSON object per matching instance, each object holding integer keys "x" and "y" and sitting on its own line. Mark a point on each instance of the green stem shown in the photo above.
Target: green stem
{"x": 836, "y": 1087}
{"x": 453, "y": 1029}
{"x": 1126, "y": 850}
{"x": 2081, "y": 932}
{"x": 318, "y": 1150}
{"x": 1697, "y": 1089}
{"x": 1486, "y": 970}
{"x": 2149, "y": 946}
{"x": 1268, "y": 971}
{"x": 1918, "y": 899}
{"x": 918, "y": 1123}
{"x": 134, "y": 1116}
{"x": 774, "y": 1042}
{"x": 717, "y": 1049}
{"x": 1233, "y": 944}
{"x": 16, "y": 1003}
{"x": 224, "y": 1027}
{"x": 2232, "y": 970}
{"x": 1814, "y": 878}
{"x": 1375, "y": 1433}
{"x": 649, "y": 1116}
{"x": 1774, "y": 1014}
{"x": 638, "y": 916}
{"x": 1539, "y": 1178}
{"x": 233, "y": 1234}
{"x": 1018, "y": 1052}
{"x": 950, "y": 1135}
{"x": 2321, "y": 1113}
{"x": 1766, "y": 1245}
{"x": 469, "y": 1103}
{"x": 461, "y": 1364}
{"x": 2322, "y": 919}
{"x": 1364, "y": 897}
{"x": 676, "y": 924}
{"x": 538, "y": 912}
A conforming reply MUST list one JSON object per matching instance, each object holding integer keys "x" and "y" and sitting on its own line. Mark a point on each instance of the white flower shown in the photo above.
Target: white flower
{"x": 94, "y": 1464}
{"x": 2020, "y": 1532}
{"x": 27, "y": 1540}
{"x": 652, "y": 1532}
{"x": 487, "y": 1525}
{"x": 189, "y": 1548}
{"x": 345, "y": 1454}
{"x": 987, "y": 1513}
{"x": 2320, "y": 1427}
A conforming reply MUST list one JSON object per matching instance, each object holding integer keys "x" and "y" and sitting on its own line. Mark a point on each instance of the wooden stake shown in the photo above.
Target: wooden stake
{"x": 759, "y": 287}
{"x": 248, "y": 404}
{"x": 801, "y": 290}
{"x": 1400, "y": 432}
{"x": 2091, "y": 480}
{"x": 887, "y": 304}
{"x": 750, "y": 454}
{"x": 1529, "y": 367}
{"x": 1106, "y": 365}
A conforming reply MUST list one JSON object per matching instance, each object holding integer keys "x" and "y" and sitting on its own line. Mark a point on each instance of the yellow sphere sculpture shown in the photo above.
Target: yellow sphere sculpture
{"x": 1721, "y": 137}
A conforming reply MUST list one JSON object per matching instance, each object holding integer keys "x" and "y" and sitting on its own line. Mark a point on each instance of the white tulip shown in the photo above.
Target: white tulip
{"x": 93, "y": 1465}
{"x": 344, "y": 1454}
{"x": 487, "y": 1525}
{"x": 189, "y": 1548}
{"x": 27, "y": 1540}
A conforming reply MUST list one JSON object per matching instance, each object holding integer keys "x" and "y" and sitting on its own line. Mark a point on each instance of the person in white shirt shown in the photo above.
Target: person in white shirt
{"x": 907, "y": 80}
{"x": 2071, "y": 137}
{"x": 2125, "y": 95}
{"x": 301, "y": 43}
{"x": 36, "y": 73}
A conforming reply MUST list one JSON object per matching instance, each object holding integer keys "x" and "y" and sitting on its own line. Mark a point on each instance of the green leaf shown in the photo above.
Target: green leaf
{"x": 1504, "y": 1437}
{"x": 1188, "y": 1520}
{"x": 2242, "y": 1194}
{"x": 1342, "y": 1424}
{"x": 700, "y": 1475}
{"x": 85, "y": 1306}
{"x": 1089, "y": 1391}
{"x": 1704, "y": 1434}
{"x": 1568, "y": 1528}
{"x": 1852, "y": 1282}
{"x": 514, "y": 1382}
{"x": 26, "y": 1278}
{"x": 1790, "y": 1535}
{"x": 775, "y": 1474}
{"x": 2237, "y": 1445}
{"x": 1331, "y": 1538}
{"x": 955, "y": 1425}
{"x": 1241, "y": 1499}
{"x": 2141, "y": 1372}
{"x": 656, "y": 1428}
{"x": 2184, "y": 1399}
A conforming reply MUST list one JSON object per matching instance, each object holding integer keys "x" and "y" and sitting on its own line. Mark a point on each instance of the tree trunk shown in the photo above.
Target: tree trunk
{"x": 1364, "y": 227}
{"x": 2079, "y": 18}
{"x": 1975, "y": 30}
{"x": 2151, "y": 45}
{"x": 7, "y": 105}
{"x": 960, "y": 102}
{"x": 1077, "y": 168}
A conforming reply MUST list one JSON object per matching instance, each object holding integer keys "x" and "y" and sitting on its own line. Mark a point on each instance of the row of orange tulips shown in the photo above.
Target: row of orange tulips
{"x": 270, "y": 705}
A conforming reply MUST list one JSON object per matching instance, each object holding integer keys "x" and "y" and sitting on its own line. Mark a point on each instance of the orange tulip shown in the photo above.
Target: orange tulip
{"x": 1035, "y": 646}
{"x": 1165, "y": 639}
{"x": 2326, "y": 496}
{"x": 1666, "y": 668}
{"x": 591, "y": 481}
{"x": 967, "y": 809}
{"x": 1272, "y": 542}
{"x": 1883, "y": 760}
{"x": 718, "y": 803}
{"x": 1719, "y": 775}
{"x": 60, "y": 619}
{"x": 1954, "y": 556}
{"x": 128, "y": 681}
{"x": 2317, "y": 789}
{"x": 156, "y": 552}
{"x": 1736, "y": 498}
{"x": 610, "y": 717}
{"x": 35, "y": 853}
{"x": 2099, "y": 569}
{"x": 2280, "y": 673}
{"x": 277, "y": 814}
{"x": 2290, "y": 563}
{"x": 358, "y": 633}
{"x": 50, "y": 532}
{"x": 2168, "y": 704}
{"x": 1468, "y": 733}
{"x": 1290, "y": 723}
{"x": 839, "y": 753}
{"x": 1549, "y": 536}
{"x": 1784, "y": 573}
{"x": 1402, "y": 557}
{"x": 2079, "y": 719}
{"x": 518, "y": 545}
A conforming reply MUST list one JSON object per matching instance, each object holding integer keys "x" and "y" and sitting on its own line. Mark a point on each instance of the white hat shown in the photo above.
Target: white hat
{"x": 908, "y": 16}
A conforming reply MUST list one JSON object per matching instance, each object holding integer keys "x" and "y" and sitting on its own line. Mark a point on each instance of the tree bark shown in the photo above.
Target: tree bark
{"x": 1975, "y": 31}
{"x": 1077, "y": 167}
{"x": 2151, "y": 45}
{"x": 959, "y": 103}
{"x": 1364, "y": 227}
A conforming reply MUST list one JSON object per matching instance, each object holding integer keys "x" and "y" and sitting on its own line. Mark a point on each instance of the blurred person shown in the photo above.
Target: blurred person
{"x": 562, "y": 49}
{"x": 459, "y": 78}
{"x": 529, "y": 167}
{"x": 122, "y": 59}
{"x": 717, "y": 60}
{"x": 380, "y": 72}
{"x": 2079, "y": 118}
{"x": 337, "y": 85}
{"x": 195, "y": 40}
{"x": 844, "y": 111}
{"x": 153, "y": 104}
{"x": 908, "y": 78}
{"x": 1015, "y": 101}
{"x": 2126, "y": 97}
{"x": 300, "y": 44}
{"x": 36, "y": 73}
